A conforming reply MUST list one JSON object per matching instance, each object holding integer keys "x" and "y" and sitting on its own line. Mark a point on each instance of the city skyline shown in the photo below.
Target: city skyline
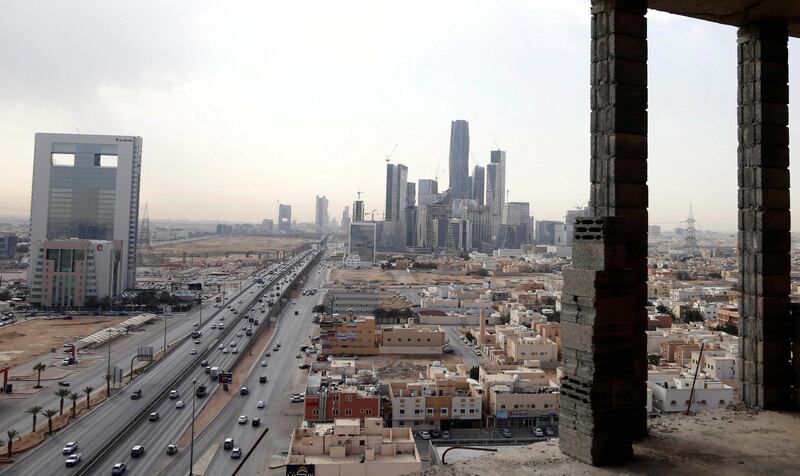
{"x": 512, "y": 97}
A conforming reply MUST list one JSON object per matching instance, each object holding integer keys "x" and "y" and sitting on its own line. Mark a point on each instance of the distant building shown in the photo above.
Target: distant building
{"x": 439, "y": 402}
{"x": 342, "y": 334}
{"x": 284, "y": 218}
{"x": 358, "y": 211}
{"x": 8, "y": 246}
{"x": 328, "y": 397}
{"x": 411, "y": 339}
{"x": 396, "y": 189}
{"x": 496, "y": 185}
{"x": 267, "y": 226}
{"x": 654, "y": 231}
{"x": 411, "y": 194}
{"x": 346, "y": 219}
{"x": 361, "y": 301}
{"x": 564, "y": 232}
{"x": 427, "y": 189}
{"x": 362, "y": 240}
{"x": 86, "y": 187}
{"x": 477, "y": 183}
{"x": 348, "y": 447}
{"x": 75, "y": 270}
{"x": 459, "y": 159}
{"x": 411, "y": 226}
{"x": 546, "y": 232}
{"x": 223, "y": 229}
{"x": 518, "y": 397}
{"x": 321, "y": 219}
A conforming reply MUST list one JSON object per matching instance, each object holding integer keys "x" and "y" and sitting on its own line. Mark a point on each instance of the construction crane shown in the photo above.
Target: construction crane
{"x": 359, "y": 194}
{"x": 390, "y": 154}
{"x": 438, "y": 172}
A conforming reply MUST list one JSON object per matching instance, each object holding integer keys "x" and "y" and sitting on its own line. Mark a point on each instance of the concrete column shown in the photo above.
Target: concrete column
{"x": 603, "y": 315}
{"x": 764, "y": 220}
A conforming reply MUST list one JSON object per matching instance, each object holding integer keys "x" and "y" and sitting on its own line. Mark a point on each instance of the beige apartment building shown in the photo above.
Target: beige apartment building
{"x": 442, "y": 401}
{"x": 518, "y": 396}
{"x": 411, "y": 339}
{"x": 348, "y": 335}
{"x": 349, "y": 448}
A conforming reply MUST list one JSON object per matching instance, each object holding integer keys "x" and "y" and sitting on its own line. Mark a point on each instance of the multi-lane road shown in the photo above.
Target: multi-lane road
{"x": 97, "y": 428}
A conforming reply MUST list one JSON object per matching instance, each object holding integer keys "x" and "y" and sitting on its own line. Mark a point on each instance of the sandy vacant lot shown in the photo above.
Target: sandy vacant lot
{"x": 391, "y": 278}
{"x": 217, "y": 245}
{"x": 29, "y": 339}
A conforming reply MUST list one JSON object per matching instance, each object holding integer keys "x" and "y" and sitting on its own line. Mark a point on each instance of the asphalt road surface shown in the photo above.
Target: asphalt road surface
{"x": 97, "y": 427}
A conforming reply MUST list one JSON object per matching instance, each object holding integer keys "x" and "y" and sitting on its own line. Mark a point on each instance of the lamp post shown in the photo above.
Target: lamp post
{"x": 108, "y": 368}
{"x": 191, "y": 445}
{"x": 164, "y": 354}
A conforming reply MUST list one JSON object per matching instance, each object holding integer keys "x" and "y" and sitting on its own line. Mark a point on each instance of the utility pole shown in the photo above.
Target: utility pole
{"x": 191, "y": 445}
{"x": 165, "y": 332}
{"x": 108, "y": 369}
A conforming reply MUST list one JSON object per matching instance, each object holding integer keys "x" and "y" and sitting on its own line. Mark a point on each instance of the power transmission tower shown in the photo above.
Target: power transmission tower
{"x": 144, "y": 233}
{"x": 691, "y": 239}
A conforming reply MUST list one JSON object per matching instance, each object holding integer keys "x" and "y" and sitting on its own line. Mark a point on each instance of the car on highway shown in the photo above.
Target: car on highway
{"x": 203, "y": 363}
{"x": 244, "y": 391}
{"x": 228, "y": 444}
{"x": 261, "y": 404}
{"x": 154, "y": 416}
{"x": 236, "y": 453}
{"x": 256, "y": 422}
{"x": 193, "y": 351}
{"x": 70, "y": 447}
{"x": 197, "y": 341}
{"x": 73, "y": 460}
{"x": 63, "y": 383}
{"x": 174, "y": 394}
{"x": 224, "y": 350}
{"x": 172, "y": 450}
{"x": 304, "y": 366}
{"x": 239, "y": 334}
{"x": 220, "y": 326}
{"x": 233, "y": 344}
{"x": 262, "y": 379}
{"x": 119, "y": 468}
{"x": 179, "y": 404}
{"x": 137, "y": 451}
{"x": 242, "y": 419}
{"x": 213, "y": 326}
{"x": 296, "y": 398}
{"x": 263, "y": 363}
{"x": 136, "y": 395}
{"x": 234, "y": 351}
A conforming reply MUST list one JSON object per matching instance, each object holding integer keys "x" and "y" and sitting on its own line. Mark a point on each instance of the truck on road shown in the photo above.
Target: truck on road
{"x": 214, "y": 373}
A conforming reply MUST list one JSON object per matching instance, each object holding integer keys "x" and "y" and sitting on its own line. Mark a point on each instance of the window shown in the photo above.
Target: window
{"x": 361, "y": 442}
{"x": 402, "y": 411}
{"x": 673, "y": 402}
{"x": 368, "y": 411}
{"x": 516, "y": 406}
{"x": 443, "y": 411}
{"x": 104, "y": 160}
{"x": 502, "y": 407}
{"x": 335, "y": 412}
{"x": 722, "y": 402}
{"x": 348, "y": 398}
{"x": 429, "y": 411}
{"x": 546, "y": 405}
{"x": 315, "y": 412}
{"x": 348, "y": 412}
{"x": 416, "y": 411}
{"x": 62, "y": 160}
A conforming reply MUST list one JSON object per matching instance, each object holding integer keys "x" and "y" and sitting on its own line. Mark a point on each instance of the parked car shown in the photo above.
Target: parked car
{"x": 304, "y": 366}
{"x": 538, "y": 431}
{"x": 445, "y": 434}
{"x": 549, "y": 431}
{"x": 435, "y": 434}
{"x": 506, "y": 432}
{"x": 424, "y": 435}
{"x": 296, "y": 399}
{"x": 263, "y": 363}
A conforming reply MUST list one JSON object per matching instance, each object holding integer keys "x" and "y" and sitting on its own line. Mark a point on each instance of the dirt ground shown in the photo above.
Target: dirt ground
{"x": 27, "y": 340}
{"x": 722, "y": 441}
{"x": 390, "y": 278}
{"x": 231, "y": 244}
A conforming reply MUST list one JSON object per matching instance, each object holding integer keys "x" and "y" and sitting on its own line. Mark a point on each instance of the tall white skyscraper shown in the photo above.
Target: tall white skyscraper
{"x": 321, "y": 217}
{"x": 496, "y": 185}
{"x": 86, "y": 187}
{"x": 459, "y": 159}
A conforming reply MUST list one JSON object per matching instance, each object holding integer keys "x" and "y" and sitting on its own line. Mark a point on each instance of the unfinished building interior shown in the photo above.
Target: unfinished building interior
{"x": 603, "y": 319}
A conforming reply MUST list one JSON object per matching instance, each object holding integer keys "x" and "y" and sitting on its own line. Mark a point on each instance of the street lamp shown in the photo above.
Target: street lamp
{"x": 108, "y": 369}
{"x": 165, "y": 332}
{"x": 191, "y": 445}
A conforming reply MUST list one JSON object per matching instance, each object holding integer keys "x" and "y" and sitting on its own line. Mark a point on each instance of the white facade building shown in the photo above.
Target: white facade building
{"x": 85, "y": 187}
{"x": 671, "y": 393}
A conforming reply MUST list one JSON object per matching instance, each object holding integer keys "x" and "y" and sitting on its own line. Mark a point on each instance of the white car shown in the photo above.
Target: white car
{"x": 73, "y": 459}
{"x": 221, "y": 346}
{"x": 243, "y": 419}
{"x": 70, "y": 447}
{"x": 224, "y": 350}
{"x": 173, "y": 394}
{"x": 239, "y": 334}
{"x": 263, "y": 363}
{"x": 261, "y": 404}
{"x": 179, "y": 404}
{"x": 234, "y": 351}
{"x": 193, "y": 352}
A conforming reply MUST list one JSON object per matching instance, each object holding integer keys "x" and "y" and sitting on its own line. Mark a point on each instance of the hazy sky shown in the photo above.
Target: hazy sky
{"x": 242, "y": 104}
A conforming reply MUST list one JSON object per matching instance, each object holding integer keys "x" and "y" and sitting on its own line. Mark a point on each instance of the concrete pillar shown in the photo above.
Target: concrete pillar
{"x": 764, "y": 220}
{"x": 603, "y": 318}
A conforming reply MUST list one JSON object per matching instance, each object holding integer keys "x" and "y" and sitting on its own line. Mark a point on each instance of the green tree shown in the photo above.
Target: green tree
{"x": 653, "y": 359}
{"x": 483, "y": 272}
{"x": 107, "y": 378}
{"x": 61, "y": 393}
{"x": 5, "y": 295}
{"x": 88, "y": 391}
{"x": 469, "y": 336}
{"x": 693, "y": 315}
{"x": 38, "y": 369}
{"x": 49, "y": 414}
{"x": 474, "y": 373}
{"x": 34, "y": 412}
{"x": 74, "y": 397}
{"x": 12, "y": 433}
{"x": 318, "y": 308}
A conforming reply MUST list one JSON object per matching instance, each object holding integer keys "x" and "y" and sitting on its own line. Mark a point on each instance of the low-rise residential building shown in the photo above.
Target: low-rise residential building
{"x": 671, "y": 393}
{"x": 347, "y": 334}
{"x": 442, "y": 401}
{"x": 328, "y": 397}
{"x": 359, "y": 301}
{"x": 516, "y": 396}
{"x": 411, "y": 339}
{"x": 351, "y": 446}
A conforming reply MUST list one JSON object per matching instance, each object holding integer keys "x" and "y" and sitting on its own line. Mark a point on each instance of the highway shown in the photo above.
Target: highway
{"x": 99, "y": 426}
{"x": 280, "y": 415}
{"x": 122, "y": 350}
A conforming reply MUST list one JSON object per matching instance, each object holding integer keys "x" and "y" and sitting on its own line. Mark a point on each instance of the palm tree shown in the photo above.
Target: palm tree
{"x": 74, "y": 397}
{"x": 12, "y": 433}
{"x": 107, "y": 378}
{"x": 49, "y": 414}
{"x": 88, "y": 391}
{"x": 34, "y": 411}
{"x": 38, "y": 368}
{"x": 61, "y": 393}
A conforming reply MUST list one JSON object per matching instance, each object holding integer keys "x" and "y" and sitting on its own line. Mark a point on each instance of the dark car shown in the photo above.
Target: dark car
{"x": 256, "y": 422}
{"x": 137, "y": 451}
{"x": 154, "y": 416}
{"x": 172, "y": 450}
{"x": 262, "y": 379}
{"x": 436, "y": 434}
{"x": 244, "y": 391}
{"x": 304, "y": 366}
